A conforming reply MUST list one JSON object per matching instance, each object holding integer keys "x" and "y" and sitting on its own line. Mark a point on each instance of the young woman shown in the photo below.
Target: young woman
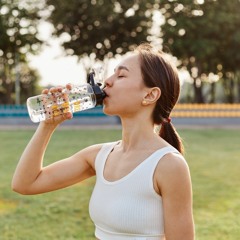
{"x": 143, "y": 185}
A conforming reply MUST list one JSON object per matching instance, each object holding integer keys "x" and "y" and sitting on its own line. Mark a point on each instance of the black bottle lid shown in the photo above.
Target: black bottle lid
{"x": 98, "y": 91}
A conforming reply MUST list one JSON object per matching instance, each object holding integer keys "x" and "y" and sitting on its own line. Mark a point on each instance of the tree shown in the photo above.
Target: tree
{"x": 18, "y": 37}
{"x": 205, "y": 36}
{"x": 100, "y": 28}
{"x": 228, "y": 51}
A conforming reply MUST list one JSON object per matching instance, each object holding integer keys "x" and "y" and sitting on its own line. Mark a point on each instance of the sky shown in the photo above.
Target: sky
{"x": 54, "y": 68}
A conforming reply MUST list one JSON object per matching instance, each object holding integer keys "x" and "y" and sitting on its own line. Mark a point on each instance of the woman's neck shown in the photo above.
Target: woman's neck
{"x": 136, "y": 135}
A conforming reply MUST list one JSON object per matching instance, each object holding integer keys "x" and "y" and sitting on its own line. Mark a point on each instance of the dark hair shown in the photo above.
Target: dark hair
{"x": 158, "y": 72}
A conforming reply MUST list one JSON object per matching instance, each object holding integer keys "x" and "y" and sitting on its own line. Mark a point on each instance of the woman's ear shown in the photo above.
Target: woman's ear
{"x": 152, "y": 95}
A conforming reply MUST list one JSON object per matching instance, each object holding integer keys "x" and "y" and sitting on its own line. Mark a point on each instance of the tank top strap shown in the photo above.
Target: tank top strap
{"x": 103, "y": 155}
{"x": 158, "y": 155}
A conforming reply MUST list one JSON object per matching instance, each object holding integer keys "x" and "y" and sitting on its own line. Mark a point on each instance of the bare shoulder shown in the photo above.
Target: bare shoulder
{"x": 171, "y": 170}
{"x": 172, "y": 163}
{"x": 90, "y": 153}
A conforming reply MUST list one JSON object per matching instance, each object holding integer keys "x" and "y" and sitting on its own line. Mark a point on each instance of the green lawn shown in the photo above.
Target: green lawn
{"x": 213, "y": 156}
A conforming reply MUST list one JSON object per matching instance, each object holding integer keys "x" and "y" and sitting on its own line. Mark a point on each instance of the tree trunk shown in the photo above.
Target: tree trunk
{"x": 197, "y": 87}
{"x": 231, "y": 92}
{"x": 213, "y": 92}
{"x": 8, "y": 89}
{"x": 7, "y": 86}
{"x": 197, "y": 84}
{"x": 238, "y": 87}
{"x": 228, "y": 85}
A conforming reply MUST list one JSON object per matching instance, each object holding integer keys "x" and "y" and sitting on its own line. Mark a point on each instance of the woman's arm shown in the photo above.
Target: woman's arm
{"x": 174, "y": 184}
{"x": 31, "y": 177}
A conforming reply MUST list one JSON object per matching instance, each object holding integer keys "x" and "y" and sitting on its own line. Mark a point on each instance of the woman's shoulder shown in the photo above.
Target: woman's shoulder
{"x": 172, "y": 170}
{"x": 99, "y": 146}
{"x": 173, "y": 161}
{"x": 92, "y": 150}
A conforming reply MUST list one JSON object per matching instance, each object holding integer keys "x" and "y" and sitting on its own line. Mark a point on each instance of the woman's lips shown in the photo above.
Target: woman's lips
{"x": 106, "y": 93}
{"x": 105, "y": 100}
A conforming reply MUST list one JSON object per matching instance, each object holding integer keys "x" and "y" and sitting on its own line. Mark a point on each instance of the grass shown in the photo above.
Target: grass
{"x": 214, "y": 160}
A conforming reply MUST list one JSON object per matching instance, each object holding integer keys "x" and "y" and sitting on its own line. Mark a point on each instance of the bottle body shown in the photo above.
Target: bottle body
{"x": 47, "y": 106}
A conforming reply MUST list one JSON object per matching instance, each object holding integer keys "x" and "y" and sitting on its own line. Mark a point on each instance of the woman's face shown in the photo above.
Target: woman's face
{"x": 125, "y": 89}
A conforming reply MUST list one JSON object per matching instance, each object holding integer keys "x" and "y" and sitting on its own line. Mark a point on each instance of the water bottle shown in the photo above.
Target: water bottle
{"x": 79, "y": 98}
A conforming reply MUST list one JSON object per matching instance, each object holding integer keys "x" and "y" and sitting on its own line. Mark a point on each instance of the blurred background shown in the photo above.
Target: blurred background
{"x": 44, "y": 43}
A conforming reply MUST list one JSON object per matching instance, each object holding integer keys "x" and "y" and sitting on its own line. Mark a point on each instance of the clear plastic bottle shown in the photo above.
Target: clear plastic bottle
{"x": 79, "y": 98}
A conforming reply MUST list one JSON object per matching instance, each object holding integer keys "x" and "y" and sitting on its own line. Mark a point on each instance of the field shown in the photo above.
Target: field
{"x": 213, "y": 156}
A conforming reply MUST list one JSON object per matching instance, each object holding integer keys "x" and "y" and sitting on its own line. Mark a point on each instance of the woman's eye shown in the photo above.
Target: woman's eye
{"x": 120, "y": 76}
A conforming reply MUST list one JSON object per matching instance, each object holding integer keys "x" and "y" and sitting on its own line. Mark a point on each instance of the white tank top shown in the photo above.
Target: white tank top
{"x": 129, "y": 208}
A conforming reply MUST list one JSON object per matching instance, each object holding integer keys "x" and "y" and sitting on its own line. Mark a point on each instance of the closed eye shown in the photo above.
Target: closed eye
{"x": 120, "y": 72}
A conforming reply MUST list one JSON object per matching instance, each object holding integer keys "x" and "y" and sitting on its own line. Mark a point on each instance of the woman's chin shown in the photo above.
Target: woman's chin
{"x": 108, "y": 111}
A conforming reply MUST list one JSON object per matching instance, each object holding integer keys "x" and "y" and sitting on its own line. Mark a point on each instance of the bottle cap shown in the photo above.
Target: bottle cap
{"x": 99, "y": 93}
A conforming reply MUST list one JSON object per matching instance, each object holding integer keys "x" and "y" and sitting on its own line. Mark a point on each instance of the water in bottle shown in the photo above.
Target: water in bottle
{"x": 79, "y": 98}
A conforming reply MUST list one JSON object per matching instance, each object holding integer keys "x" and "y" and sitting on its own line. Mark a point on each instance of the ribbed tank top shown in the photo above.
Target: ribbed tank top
{"x": 129, "y": 208}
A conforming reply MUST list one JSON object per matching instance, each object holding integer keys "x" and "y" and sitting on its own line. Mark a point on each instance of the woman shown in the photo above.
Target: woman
{"x": 143, "y": 186}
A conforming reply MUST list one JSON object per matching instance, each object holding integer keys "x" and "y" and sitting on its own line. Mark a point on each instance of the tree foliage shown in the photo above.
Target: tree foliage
{"x": 18, "y": 37}
{"x": 102, "y": 28}
{"x": 205, "y": 36}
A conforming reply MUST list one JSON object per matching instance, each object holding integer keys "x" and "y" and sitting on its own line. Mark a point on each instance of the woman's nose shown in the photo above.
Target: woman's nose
{"x": 108, "y": 82}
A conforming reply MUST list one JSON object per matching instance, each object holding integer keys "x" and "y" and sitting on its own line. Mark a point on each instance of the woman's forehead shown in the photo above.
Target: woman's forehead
{"x": 129, "y": 62}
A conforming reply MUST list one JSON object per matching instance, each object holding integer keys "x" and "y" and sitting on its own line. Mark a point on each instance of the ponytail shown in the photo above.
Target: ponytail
{"x": 157, "y": 71}
{"x": 170, "y": 135}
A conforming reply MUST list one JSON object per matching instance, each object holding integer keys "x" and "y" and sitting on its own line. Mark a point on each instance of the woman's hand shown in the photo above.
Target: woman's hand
{"x": 55, "y": 116}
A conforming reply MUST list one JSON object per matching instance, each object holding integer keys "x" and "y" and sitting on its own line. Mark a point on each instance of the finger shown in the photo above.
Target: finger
{"x": 59, "y": 89}
{"x": 68, "y": 115}
{"x": 53, "y": 90}
{"x": 69, "y": 86}
{"x": 45, "y": 91}
{"x": 61, "y": 118}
